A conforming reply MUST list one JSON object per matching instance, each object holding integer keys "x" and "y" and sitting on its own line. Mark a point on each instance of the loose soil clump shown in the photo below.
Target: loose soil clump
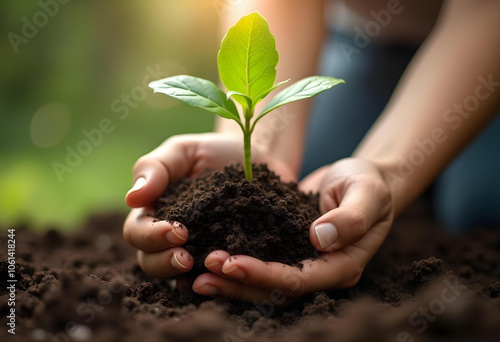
{"x": 265, "y": 219}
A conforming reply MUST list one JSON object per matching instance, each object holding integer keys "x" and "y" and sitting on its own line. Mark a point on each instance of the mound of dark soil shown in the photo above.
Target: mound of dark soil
{"x": 224, "y": 211}
{"x": 423, "y": 285}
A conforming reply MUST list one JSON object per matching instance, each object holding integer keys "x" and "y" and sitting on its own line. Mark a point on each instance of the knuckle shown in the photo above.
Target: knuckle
{"x": 150, "y": 239}
{"x": 171, "y": 142}
{"x": 138, "y": 164}
{"x": 126, "y": 234}
{"x": 382, "y": 191}
{"x": 352, "y": 277}
{"x": 128, "y": 231}
{"x": 175, "y": 141}
{"x": 298, "y": 291}
{"x": 360, "y": 224}
{"x": 154, "y": 265}
{"x": 298, "y": 288}
{"x": 237, "y": 293}
{"x": 295, "y": 283}
{"x": 161, "y": 268}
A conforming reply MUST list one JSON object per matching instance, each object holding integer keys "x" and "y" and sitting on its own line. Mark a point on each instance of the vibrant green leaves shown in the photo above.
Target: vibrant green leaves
{"x": 247, "y": 63}
{"x": 303, "y": 89}
{"x": 197, "y": 92}
{"x": 247, "y": 58}
{"x": 266, "y": 92}
{"x": 243, "y": 99}
{"x": 249, "y": 104}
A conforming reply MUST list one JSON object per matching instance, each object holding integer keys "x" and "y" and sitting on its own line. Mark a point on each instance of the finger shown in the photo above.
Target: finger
{"x": 165, "y": 264}
{"x": 150, "y": 180}
{"x": 362, "y": 205}
{"x": 215, "y": 260}
{"x": 312, "y": 182}
{"x": 249, "y": 270}
{"x": 141, "y": 231}
{"x": 333, "y": 270}
{"x": 154, "y": 171}
{"x": 268, "y": 275}
{"x": 209, "y": 284}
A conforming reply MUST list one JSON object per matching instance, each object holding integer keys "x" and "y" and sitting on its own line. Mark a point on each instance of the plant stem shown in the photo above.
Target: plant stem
{"x": 247, "y": 148}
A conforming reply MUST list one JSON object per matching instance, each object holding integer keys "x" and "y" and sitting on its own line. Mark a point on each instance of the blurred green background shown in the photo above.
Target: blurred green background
{"x": 69, "y": 67}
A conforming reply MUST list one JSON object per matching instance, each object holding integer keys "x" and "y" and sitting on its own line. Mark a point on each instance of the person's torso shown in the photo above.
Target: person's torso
{"x": 397, "y": 21}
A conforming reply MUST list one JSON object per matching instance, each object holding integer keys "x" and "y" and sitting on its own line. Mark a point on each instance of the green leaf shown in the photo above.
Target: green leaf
{"x": 303, "y": 89}
{"x": 267, "y": 91}
{"x": 247, "y": 58}
{"x": 245, "y": 99}
{"x": 197, "y": 92}
{"x": 241, "y": 98}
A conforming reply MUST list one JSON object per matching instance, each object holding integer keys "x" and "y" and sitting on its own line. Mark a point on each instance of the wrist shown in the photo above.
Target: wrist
{"x": 400, "y": 178}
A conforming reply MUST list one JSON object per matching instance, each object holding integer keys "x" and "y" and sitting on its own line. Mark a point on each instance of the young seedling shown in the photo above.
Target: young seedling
{"x": 247, "y": 62}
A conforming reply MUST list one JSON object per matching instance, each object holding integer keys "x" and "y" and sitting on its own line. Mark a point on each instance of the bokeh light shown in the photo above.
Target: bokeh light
{"x": 50, "y": 124}
{"x": 87, "y": 63}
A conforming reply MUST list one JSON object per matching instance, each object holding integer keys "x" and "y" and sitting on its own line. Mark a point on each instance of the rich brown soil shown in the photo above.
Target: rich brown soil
{"x": 224, "y": 211}
{"x": 423, "y": 285}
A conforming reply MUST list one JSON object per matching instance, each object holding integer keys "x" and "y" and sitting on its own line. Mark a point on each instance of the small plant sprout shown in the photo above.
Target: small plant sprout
{"x": 247, "y": 62}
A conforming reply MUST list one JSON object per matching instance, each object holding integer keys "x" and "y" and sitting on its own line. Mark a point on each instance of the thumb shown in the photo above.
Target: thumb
{"x": 338, "y": 228}
{"x": 362, "y": 206}
{"x": 150, "y": 180}
{"x": 154, "y": 171}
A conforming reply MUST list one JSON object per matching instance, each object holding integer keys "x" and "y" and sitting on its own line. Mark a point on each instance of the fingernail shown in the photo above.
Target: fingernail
{"x": 175, "y": 238}
{"x": 327, "y": 234}
{"x": 207, "y": 290}
{"x": 176, "y": 263}
{"x": 139, "y": 183}
{"x": 212, "y": 264}
{"x": 177, "y": 225}
{"x": 234, "y": 272}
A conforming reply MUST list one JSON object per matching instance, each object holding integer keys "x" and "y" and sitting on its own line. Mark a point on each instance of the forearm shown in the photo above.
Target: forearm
{"x": 298, "y": 28}
{"x": 450, "y": 92}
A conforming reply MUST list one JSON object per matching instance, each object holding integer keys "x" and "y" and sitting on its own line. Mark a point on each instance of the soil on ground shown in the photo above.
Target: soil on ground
{"x": 423, "y": 285}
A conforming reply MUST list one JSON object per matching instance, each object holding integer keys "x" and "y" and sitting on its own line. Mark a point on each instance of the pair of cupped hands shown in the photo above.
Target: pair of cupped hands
{"x": 355, "y": 203}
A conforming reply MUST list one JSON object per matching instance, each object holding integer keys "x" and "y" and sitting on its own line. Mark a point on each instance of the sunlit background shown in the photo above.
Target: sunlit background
{"x": 75, "y": 109}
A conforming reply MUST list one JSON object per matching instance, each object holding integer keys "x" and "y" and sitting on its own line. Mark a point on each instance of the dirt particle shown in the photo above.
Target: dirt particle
{"x": 126, "y": 305}
{"x": 266, "y": 219}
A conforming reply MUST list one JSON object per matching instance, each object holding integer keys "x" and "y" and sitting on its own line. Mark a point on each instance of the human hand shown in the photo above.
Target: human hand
{"x": 159, "y": 244}
{"x": 357, "y": 215}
